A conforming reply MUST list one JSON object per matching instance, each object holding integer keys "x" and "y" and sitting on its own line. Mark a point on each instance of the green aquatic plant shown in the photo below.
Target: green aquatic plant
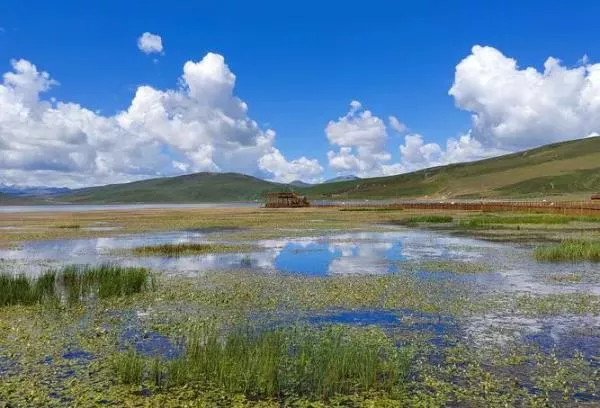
{"x": 105, "y": 281}
{"x": 566, "y": 278}
{"x": 299, "y": 361}
{"x": 445, "y": 266}
{"x": 569, "y": 250}
{"x": 431, "y": 219}
{"x": 129, "y": 367}
{"x": 23, "y": 290}
{"x": 68, "y": 226}
{"x": 183, "y": 249}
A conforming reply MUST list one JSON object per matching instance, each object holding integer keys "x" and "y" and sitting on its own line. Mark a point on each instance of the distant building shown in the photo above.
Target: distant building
{"x": 286, "y": 200}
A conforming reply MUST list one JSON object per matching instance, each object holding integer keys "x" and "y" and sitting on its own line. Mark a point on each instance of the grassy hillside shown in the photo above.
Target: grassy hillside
{"x": 569, "y": 168}
{"x": 557, "y": 169}
{"x": 199, "y": 187}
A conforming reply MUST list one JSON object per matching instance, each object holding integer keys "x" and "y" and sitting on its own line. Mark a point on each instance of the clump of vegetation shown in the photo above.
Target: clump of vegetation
{"x": 183, "y": 249}
{"x": 432, "y": 219}
{"x": 23, "y": 290}
{"x": 446, "y": 266}
{"x": 300, "y": 361}
{"x": 75, "y": 283}
{"x": 568, "y": 278}
{"x": 569, "y": 250}
{"x": 104, "y": 281}
{"x": 68, "y": 226}
{"x": 129, "y": 367}
{"x": 373, "y": 209}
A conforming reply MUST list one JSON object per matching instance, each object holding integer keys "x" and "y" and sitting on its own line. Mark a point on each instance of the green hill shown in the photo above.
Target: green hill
{"x": 199, "y": 187}
{"x": 571, "y": 167}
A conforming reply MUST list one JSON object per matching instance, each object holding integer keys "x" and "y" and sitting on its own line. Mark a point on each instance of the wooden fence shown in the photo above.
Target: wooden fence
{"x": 544, "y": 206}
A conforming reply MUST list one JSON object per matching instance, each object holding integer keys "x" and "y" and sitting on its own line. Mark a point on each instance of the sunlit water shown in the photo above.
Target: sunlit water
{"x": 511, "y": 269}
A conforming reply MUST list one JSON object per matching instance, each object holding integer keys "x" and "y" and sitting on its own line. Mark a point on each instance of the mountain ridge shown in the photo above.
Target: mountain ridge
{"x": 571, "y": 167}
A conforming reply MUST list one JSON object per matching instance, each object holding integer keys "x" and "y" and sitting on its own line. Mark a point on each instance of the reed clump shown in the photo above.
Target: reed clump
{"x": 299, "y": 361}
{"x": 432, "y": 219}
{"x": 184, "y": 249}
{"x": 569, "y": 251}
{"x": 24, "y": 290}
{"x": 74, "y": 283}
{"x": 104, "y": 281}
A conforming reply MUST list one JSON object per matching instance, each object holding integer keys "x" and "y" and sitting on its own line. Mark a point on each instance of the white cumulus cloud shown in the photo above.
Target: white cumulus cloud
{"x": 199, "y": 126}
{"x": 150, "y": 43}
{"x": 514, "y": 107}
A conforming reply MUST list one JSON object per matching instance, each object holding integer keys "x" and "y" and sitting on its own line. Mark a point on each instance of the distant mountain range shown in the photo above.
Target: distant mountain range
{"x": 571, "y": 167}
{"x": 300, "y": 183}
{"x": 341, "y": 178}
{"x": 32, "y": 191}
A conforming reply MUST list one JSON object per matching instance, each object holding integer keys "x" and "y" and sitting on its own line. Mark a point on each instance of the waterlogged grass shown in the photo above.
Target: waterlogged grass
{"x": 559, "y": 304}
{"x": 445, "y": 266}
{"x": 300, "y": 361}
{"x": 431, "y": 219}
{"x": 68, "y": 226}
{"x": 374, "y": 209}
{"x": 104, "y": 281}
{"x": 569, "y": 251}
{"x": 184, "y": 249}
{"x": 74, "y": 283}
{"x": 566, "y": 278}
{"x": 23, "y": 290}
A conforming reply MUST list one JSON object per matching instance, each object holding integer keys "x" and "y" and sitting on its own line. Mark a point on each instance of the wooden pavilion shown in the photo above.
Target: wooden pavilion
{"x": 286, "y": 200}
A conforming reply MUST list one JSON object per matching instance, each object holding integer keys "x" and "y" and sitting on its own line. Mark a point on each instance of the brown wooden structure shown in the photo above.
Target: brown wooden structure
{"x": 286, "y": 200}
{"x": 596, "y": 197}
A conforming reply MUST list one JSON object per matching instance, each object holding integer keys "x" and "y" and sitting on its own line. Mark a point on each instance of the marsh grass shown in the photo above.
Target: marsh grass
{"x": 104, "y": 281}
{"x": 567, "y": 278}
{"x": 23, "y": 290}
{"x": 68, "y": 226}
{"x": 298, "y": 361}
{"x": 432, "y": 219}
{"x": 74, "y": 283}
{"x": 374, "y": 209}
{"x": 569, "y": 250}
{"x": 129, "y": 367}
{"x": 531, "y": 219}
{"x": 183, "y": 249}
{"x": 446, "y": 266}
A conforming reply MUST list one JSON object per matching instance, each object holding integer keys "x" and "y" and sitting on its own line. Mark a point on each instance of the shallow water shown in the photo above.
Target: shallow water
{"x": 117, "y": 207}
{"x": 511, "y": 266}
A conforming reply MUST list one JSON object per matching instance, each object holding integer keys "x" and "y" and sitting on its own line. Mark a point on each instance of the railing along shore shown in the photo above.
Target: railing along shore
{"x": 547, "y": 206}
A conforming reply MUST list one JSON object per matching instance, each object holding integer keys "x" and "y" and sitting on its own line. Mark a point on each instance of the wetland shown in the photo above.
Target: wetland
{"x": 303, "y": 308}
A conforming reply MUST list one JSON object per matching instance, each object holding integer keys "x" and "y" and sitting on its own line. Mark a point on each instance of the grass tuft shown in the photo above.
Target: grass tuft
{"x": 23, "y": 290}
{"x": 75, "y": 283}
{"x": 129, "y": 367}
{"x": 105, "y": 281}
{"x": 298, "y": 361}
{"x": 175, "y": 250}
{"x": 433, "y": 219}
{"x": 68, "y": 226}
{"x": 569, "y": 250}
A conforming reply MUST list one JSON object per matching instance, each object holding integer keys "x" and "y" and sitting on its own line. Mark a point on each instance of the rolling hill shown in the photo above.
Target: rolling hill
{"x": 571, "y": 167}
{"x": 198, "y": 187}
{"x": 562, "y": 169}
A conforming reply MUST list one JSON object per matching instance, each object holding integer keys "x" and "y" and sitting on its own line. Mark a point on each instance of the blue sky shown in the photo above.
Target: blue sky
{"x": 297, "y": 68}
